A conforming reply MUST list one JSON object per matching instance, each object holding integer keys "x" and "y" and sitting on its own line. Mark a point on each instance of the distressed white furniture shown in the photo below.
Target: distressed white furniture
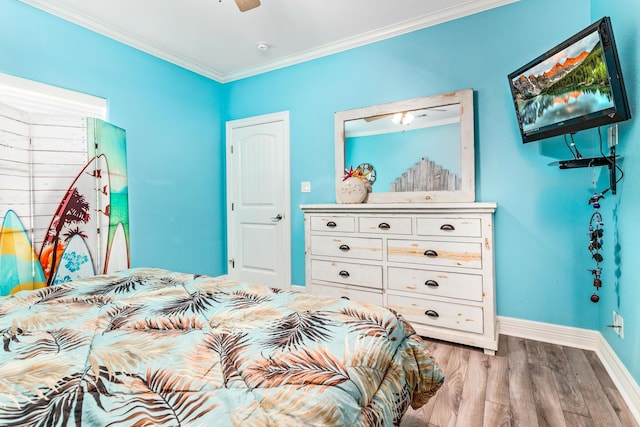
{"x": 433, "y": 263}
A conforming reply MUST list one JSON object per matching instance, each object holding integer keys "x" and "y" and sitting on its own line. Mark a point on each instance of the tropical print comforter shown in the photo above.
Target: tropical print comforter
{"x": 159, "y": 348}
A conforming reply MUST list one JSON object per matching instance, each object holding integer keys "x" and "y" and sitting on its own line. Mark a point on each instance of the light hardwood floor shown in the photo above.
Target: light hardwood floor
{"x": 527, "y": 384}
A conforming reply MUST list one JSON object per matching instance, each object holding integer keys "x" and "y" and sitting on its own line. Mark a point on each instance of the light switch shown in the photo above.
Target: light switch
{"x": 305, "y": 187}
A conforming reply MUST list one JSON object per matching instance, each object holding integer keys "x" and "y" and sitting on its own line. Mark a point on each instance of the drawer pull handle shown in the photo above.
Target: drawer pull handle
{"x": 430, "y": 253}
{"x": 344, "y": 273}
{"x": 384, "y": 226}
{"x": 432, "y": 313}
{"x": 344, "y": 248}
{"x": 447, "y": 227}
{"x": 331, "y": 224}
{"x": 432, "y": 283}
{"x": 347, "y": 298}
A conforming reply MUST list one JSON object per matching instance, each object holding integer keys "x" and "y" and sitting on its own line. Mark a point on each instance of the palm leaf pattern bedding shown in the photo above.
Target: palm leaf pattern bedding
{"x": 154, "y": 347}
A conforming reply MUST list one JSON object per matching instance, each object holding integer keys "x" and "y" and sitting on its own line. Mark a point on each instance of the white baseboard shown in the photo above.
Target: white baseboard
{"x": 584, "y": 339}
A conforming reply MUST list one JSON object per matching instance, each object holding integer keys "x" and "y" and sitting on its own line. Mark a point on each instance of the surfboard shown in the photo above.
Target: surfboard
{"x": 103, "y": 212}
{"x": 84, "y": 210}
{"x": 118, "y": 255}
{"x": 75, "y": 263}
{"x": 19, "y": 265}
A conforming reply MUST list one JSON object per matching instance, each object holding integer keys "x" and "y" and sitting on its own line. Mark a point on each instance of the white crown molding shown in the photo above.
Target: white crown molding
{"x": 465, "y": 9}
{"x": 468, "y": 8}
{"x": 585, "y": 339}
{"x": 115, "y": 34}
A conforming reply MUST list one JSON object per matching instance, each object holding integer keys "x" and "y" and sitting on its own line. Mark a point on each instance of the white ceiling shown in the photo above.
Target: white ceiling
{"x": 215, "y": 39}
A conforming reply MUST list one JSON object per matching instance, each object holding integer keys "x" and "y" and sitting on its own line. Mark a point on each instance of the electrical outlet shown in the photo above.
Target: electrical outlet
{"x": 305, "y": 187}
{"x": 621, "y": 328}
{"x": 618, "y": 324}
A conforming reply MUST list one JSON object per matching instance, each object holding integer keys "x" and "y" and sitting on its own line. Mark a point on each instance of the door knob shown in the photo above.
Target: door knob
{"x": 276, "y": 218}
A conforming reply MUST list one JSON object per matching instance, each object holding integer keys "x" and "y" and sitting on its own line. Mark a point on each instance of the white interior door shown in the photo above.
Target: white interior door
{"x": 258, "y": 200}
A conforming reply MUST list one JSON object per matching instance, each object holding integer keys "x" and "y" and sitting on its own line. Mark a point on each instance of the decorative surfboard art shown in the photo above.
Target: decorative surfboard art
{"x": 110, "y": 141}
{"x": 75, "y": 262}
{"x": 94, "y": 202}
{"x": 103, "y": 213}
{"x": 118, "y": 258}
{"x": 83, "y": 210}
{"x": 19, "y": 265}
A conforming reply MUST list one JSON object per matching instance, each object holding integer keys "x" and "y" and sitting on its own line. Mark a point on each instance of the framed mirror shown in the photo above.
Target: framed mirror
{"x": 412, "y": 151}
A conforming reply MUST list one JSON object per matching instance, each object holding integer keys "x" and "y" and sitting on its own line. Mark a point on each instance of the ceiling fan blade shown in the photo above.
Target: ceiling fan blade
{"x": 245, "y": 5}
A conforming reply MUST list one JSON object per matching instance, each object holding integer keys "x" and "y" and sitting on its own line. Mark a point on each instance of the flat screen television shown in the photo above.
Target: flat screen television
{"x": 574, "y": 86}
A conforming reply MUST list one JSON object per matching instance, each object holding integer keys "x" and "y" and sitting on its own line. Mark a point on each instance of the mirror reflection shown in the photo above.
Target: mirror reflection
{"x": 414, "y": 150}
{"x": 411, "y": 151}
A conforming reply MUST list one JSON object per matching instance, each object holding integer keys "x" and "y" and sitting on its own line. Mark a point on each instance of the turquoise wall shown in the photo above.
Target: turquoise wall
{"x": 622, "y": 287}
{"x": 540, "y": 246}
{"x": 175, "y": 124}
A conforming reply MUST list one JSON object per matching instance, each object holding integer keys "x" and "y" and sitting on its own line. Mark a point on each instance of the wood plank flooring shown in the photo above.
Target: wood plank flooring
{"x": 526, "y": 384}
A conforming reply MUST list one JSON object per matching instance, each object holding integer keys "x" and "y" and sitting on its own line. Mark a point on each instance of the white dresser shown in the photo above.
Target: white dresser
{"x": 433, "y": 263}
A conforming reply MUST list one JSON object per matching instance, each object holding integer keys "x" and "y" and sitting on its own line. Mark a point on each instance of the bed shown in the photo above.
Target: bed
{"x": 155, "y": 347}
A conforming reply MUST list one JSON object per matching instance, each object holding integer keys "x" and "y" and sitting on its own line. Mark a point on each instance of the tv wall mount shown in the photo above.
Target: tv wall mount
{"x": 609, "y": 161}
{"x": 586, "y": 162}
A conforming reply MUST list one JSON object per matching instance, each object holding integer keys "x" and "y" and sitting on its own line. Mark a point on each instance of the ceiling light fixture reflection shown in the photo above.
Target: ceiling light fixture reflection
{"x": 402, "y": 118}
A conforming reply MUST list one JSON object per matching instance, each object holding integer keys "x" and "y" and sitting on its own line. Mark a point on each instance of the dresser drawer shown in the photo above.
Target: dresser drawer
{"x": 333, "y": 223}
{"x": 462, "y": 227}
{"x": 438, "y": 283}
{"x": 347, "y": 273}
{"x": 347, "y": 247}
{"x": 427, "y": 252}
{"x": 384, "y": 225}
{"x": 347, "y": 293}
{"x": 437, "y": 313}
